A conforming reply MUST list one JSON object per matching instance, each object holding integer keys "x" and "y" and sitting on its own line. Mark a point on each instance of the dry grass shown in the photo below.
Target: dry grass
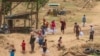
{"x": 73, "y": 47}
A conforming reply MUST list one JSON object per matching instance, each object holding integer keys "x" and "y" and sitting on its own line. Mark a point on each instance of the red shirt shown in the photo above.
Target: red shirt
{"x": 53, "y": 25}
{"x": 23, "y": 44}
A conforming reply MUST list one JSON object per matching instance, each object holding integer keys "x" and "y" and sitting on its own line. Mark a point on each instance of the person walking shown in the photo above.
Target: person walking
{"x": 77, "y": 30}
{"x": 84, "y": 20}
{"x": 63, "y": 26}
{"x": 91, "y": 38}
{"x": 32, "y": 41}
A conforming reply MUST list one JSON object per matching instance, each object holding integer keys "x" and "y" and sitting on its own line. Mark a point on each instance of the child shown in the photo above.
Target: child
{"x": 41, "y": 38}
{"x": 53, "y": 25}
{"x": 12, "y": 50}
{"x": 59, "y": 43}
{"x": 23, "y": 46}
{"x": 44, "y": 47}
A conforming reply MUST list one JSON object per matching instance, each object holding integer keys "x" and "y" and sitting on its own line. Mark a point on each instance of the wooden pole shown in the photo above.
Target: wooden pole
{"x": 29, "y": 21}
{"x": 0, "y": 17}
{"x": 31, "y": 13}
{"x": 37, "y": 11}
{"x": 24, "y": 23}
{"x": 1, "y": 14}
{"x": 3, "y": 8}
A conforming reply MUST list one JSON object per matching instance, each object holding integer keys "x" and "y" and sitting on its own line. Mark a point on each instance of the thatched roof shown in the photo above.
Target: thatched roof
{"x": 19, "y": 15}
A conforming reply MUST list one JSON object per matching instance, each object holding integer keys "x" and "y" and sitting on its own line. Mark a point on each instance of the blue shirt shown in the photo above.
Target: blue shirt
{"x": 12, "y": 53}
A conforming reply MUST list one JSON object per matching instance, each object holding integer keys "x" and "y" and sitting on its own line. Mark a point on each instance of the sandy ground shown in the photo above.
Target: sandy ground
{"x": 69, "y": 39}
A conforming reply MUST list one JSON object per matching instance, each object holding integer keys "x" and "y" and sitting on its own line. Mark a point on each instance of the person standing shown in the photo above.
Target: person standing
{"x": 23, "y": 46}
{"x": 77, "y": 29}
{"x": 32, "y": 41}
{"x": 41, "y": 38}
{"x": 44, "y": 47}
{"x": 63, "y": 25}
{"x": 91, "y": 38}
{"x": 53, "y": 25}
{"x": 84, "y": 20}
{"x": 12, "y": 50}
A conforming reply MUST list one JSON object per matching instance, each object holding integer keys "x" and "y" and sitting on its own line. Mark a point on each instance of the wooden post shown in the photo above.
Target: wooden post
{"x": 13, "y": 21}
{"x": 31, "y": 13}
{"x": 3, "y": 11}
{"x": 37, "y": 11}
{"x": 29, "y": 21}
{"x": 0, "y": 16}
{"x": 24, "y": 22}
{"x": 10, "y": 8}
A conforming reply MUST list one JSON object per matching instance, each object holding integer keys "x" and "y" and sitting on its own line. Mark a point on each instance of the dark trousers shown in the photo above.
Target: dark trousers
{"x": 32, "y": 47}
{"x": 77, "y": 34}
{"x": 43, "y": 31}
{"x": 91, "y": 37}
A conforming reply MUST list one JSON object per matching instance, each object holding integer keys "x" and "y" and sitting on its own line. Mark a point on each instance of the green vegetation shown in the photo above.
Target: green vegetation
{"x": 94, "y": 54}
{"x": 6, "y": 7}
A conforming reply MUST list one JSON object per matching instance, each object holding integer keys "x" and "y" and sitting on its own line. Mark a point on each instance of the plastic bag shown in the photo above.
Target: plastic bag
{"x": 37, "y": 39}
{"x": 81, "y": 34}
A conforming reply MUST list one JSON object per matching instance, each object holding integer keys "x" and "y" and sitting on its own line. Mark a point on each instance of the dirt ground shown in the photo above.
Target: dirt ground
{"x": 69, "y": 39}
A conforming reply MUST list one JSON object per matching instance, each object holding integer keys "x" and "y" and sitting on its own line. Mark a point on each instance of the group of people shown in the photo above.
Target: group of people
{"x": 39, "y": 38}
{"x": 46, "y": 27}
{"x": 41, "y": 35}
{"x": 77, "y": 29}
